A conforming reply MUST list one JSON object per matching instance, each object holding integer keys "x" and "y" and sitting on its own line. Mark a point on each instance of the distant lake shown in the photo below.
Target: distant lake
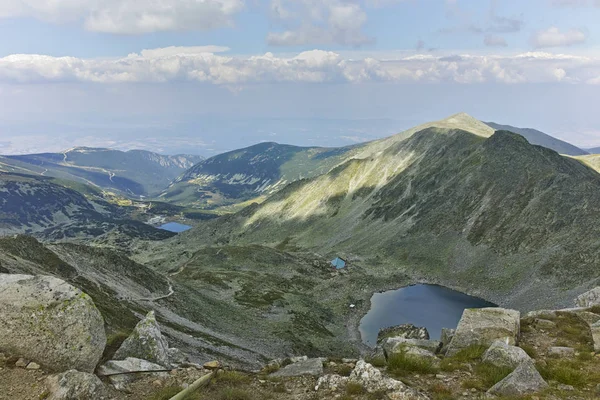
{"x": 175, "y": 227}
{"x": 434, "y": 307}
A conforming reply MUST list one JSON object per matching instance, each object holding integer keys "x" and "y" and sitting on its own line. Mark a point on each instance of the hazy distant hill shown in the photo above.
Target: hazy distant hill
{"x": 133, "y": 173}
{"x": 594, "y": 150}
{"x": 534, "y": 136}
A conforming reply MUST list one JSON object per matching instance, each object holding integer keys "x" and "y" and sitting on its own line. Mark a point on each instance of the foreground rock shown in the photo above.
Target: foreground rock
{"x": 75, "y": 385}
{"x": 406, "y": 331}
{"x": 145, "y": 342}
{"x": 46, "y": 320}
{"x": 596, "y": 336}
{"x": 373, "y": 381}
{"x": 483, "y": 326}
{"x": 522, "y": 381}
{"x": 122, "y": 372}
{"x": 501, "y": 354}
{"x": 589, "y": 299}
{"x": 311, "y": 366}
{"x": 395, "y": 345}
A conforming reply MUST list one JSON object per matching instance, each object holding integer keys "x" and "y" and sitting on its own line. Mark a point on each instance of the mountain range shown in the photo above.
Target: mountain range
{"x": 453, "y": 202}
{"x": 133, "y": 173}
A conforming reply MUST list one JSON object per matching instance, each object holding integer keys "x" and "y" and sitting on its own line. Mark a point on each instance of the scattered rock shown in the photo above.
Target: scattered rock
{"x": 177, "y": 357}
{"x": 33, "y": 366}
{"x": 373, "y": 381}
{"x": 212, "y": 365}
{"x": 129, "y": 365}
{"x": 331, "y": 382}
{"x": 482, "y": 326}
{"x": 21, "y": 363}
{"x": 501, "y": 354}
{"x": 75, "y": 385}
{"x": 589, "y": 298}
{"x": 46, "y": 320}
{"x": 390, "y": 344}
{"x": 145, "y": 342}
{"x": 565, "y": 388}
{"x": 311, "y": 366}
{"x": 406, "y": 331}
{"x": 561, "y": 352}
{"x": 596, "y": 335}
{"x": 349, "y": 360}
{"x": 525, "y": 379}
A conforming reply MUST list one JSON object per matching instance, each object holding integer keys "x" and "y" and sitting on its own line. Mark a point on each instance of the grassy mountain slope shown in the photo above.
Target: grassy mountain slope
{"x": 534, "y": 136}
{"x": 132, "y": 173}
{"x": 490, "y": 215}
{"x": 260, "y": 170}
{"x": 37, "y": 205}
{"x": 247, "y": 173}
{"x": 591, "y": 160}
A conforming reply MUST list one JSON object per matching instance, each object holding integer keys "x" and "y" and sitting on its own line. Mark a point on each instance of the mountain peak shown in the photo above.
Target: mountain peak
{"x": 465, "y": 122}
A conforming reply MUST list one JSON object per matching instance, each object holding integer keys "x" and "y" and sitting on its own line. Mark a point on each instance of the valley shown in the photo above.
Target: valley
{"x": 452, "y": 203}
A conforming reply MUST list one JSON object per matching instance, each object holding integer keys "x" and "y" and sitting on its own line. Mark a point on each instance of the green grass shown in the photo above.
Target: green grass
{"x": 463, "y": 357}
{"x": 486, "y": 375}
{"x": 402, "y": 363}
{"x": 567, "y": 372}
{"x": 441, "y": 392}
{"x": 232, "y": 377}
{"x": 353, "y": 388}
{"x": 529, "y": 349}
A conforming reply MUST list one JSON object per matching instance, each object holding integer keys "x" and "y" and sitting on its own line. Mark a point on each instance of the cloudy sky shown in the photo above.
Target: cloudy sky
{"x": 205, "y": 76}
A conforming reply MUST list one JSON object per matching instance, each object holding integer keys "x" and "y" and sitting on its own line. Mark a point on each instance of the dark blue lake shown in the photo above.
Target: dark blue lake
{"x": 175, "y": 227}
{"x": 434, "y": 307}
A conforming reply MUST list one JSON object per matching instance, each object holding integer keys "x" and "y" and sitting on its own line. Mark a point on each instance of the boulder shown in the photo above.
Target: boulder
{"x": 145, "y": 342}
{"x": 390, "y": 344}
{"x": 445, "y": 338}
{"x": 311, "y": 366}
{"x": 483, "y": 326}
{"x": 374, "y": 381}
{"x": 130, "y": 364}
{"x": 589, "y": 298}
{"x": 406, "y": 331}
{"x": 561, "y": 352}
{"x": 75, "y": 385}
{"x": 596, "y": 336}
{"x": 525, "y": 379}
{"x": 177, "y": 357}
{"x": 501, "y": 354}
{"x": 331, "y": 382}
{"x": 46, "y": 320}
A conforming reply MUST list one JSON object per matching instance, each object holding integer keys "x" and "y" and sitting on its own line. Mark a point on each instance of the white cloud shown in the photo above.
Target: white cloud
{"x": 198, "y": 64}
{"x": 318, "y": 22}
{"x": 553, "y": 37}
{"x": 575, "y": 3}
{"x": 128, "y": 16}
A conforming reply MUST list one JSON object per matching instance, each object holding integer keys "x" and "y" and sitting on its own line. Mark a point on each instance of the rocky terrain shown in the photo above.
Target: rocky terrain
{"x": 492, "y": 353}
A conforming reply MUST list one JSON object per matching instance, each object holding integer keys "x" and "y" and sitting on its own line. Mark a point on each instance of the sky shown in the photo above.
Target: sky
{"x": 207, "y": 76}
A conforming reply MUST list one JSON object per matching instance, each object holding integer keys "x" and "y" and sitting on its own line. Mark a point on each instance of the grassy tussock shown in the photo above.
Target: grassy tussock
{"x": 401, "y": 363}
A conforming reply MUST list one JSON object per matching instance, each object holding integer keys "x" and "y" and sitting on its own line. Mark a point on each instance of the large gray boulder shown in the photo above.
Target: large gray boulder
{"x": 75, "y": 385}
{"x": 483, "y": 326}
{"x": 145, "y": 342}
{"x": 525, "y": 379}
{"x": 311, "y": 366}
{"x": 119, "y": 371}
{"x": 589, "y": 298}
{"x": 502, "y": 354}
{"x": 46, "y": 320}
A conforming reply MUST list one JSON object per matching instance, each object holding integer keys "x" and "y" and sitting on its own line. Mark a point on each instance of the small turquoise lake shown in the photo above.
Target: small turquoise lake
{"x": 175, "y": 227}
{"x": 434, "y": 307}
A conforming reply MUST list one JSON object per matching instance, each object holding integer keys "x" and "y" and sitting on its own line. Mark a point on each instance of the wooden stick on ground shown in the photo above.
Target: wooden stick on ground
{"x": 194, "y": 386}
